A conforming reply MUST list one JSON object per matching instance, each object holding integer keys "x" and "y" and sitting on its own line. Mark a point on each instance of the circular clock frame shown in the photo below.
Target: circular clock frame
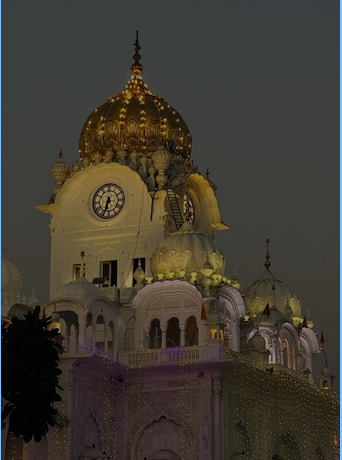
{"x": 108, "y": 201}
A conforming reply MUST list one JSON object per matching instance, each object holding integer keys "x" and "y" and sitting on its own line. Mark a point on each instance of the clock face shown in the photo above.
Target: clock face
{"x": 108, "y": 201}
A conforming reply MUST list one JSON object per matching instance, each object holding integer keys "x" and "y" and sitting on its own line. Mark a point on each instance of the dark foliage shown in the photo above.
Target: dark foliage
{"x": 30, "y": 375}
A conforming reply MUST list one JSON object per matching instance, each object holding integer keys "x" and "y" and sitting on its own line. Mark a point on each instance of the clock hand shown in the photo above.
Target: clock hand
{"x": 107, "y": 203}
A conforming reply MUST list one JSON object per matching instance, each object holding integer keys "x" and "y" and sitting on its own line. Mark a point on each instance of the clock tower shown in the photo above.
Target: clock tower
{"x": 134, "y": 186}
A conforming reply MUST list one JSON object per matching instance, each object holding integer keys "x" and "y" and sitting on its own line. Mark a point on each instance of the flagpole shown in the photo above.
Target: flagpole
{"x": 323, "y": 347}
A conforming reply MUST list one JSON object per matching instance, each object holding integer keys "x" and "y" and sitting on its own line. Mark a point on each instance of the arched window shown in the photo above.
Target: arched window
{"x": 279, "y": 347}
{"x": 227, "y": 336}
{"x": 111, "y": 340}
{"x": 173, "y": 333}
{"x": 213, "y": 334}
{"x": 286, "y": 354}
{"x": 73, "y": 348}
{"x": 155, "y": 334}
{"x": 191, "y": 332}
{"x": 63, "y": 332}
{"x": 293, "y": 358}
{"x": 100, "y": 334}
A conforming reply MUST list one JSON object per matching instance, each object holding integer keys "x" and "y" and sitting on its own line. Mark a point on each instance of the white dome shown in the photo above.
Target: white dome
{"x": 19, "y": 310}
{"x": 186, "y": 250}
{"x": 11, "y": 279}
{"x": 11, "y": 285}
{"x": 260, "y": 293}
{"x": 81, "y": 290}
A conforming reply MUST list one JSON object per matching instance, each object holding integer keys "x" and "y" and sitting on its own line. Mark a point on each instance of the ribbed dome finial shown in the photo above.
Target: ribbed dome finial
{"x": 267, "y": 263}
{"x": 137, "y": 68}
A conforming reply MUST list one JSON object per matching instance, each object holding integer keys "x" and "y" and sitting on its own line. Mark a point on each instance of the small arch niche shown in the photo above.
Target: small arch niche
{"x": 155, "y": 334}
{"x": 191, "y": 332}
{"x": 100, "y": 334}
{"x": 173, "y": 333}
{"x": 89, "y": 330}
{"x": 213, "y": 334}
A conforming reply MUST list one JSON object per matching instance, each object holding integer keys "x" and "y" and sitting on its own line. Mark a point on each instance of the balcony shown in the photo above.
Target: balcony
{"x": 210, "y": 351}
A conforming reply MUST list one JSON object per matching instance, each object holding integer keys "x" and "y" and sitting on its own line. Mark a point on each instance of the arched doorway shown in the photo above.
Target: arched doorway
{"x": 191, "y": 332}
{"x": 155, "y": 334}
{"x": 163, "y": 439}
{"x": 173, "y": 333}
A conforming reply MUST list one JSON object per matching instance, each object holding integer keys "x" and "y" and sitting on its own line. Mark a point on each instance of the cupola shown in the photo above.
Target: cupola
{"x": 188, "y": 254}
{"x": 268, "y": 289}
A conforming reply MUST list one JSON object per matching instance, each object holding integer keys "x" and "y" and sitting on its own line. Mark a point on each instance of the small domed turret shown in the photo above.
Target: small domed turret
{"x": 81, "y": 290}
{"x": 185, "y": 253}
{"x": 59, "y": 172}
{"x": 267, "y": 289}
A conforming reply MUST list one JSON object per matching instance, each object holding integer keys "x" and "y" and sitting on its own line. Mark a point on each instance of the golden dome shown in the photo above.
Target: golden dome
{"x": 135, "y": 119}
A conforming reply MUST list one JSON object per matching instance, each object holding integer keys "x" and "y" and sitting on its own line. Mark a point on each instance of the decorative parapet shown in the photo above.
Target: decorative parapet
{"x": 211, "y": 351}
{"x": 111, "y": 292}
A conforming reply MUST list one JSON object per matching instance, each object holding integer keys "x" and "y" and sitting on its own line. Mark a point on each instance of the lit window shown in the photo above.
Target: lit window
{"x": 77, "y": 271}
{"x": 109, "y": 271}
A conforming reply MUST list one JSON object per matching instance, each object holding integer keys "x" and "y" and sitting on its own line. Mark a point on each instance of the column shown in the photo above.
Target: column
{"x": 105, "y": 338}
{"x": 93, "y": 337}
{"x": 217, "y": 396}
{"x": 147, "y": 339}
{"x": 115, "y": 344}
{"x": 67, "y": 337}
{"x": 81, "y": 334}
{"x": 163, "y": 331}
{"x": 182, "y": 335}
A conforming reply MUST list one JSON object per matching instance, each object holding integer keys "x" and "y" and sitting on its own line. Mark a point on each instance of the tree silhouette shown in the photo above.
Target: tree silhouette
{"x": 30, "y": 375}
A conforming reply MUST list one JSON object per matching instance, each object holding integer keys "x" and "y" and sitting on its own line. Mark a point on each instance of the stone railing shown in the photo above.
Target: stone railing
{"x": 211, "y": 351}
{"x": 111, "y": 292}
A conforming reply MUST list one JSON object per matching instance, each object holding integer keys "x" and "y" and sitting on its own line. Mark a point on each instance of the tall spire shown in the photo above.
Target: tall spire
{"x": 137, "y": 68}
{"x": 267, "y": 263}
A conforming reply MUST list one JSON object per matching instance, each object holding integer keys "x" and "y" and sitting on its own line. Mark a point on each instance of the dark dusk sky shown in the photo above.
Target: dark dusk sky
{"x": 257, "y": 82}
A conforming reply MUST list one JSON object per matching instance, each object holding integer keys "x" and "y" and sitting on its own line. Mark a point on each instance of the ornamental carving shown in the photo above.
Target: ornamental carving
{"x": 181, "y": 407}
{"x": 171, "y": 405}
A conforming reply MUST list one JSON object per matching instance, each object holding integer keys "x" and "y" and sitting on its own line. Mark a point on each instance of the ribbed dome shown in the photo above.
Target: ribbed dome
{"x": 257, "y": 342}
{"x": 135, "y": 119}
{"x": 276, "y": 318}
{"x": 268, "y": 290}
{"x": 11, "y": 279}
{"x": 81, "y": 290}
{"x": 260, "y": 293}
{"x": 19, "y": 310}
{"x": 186, "y": 250}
